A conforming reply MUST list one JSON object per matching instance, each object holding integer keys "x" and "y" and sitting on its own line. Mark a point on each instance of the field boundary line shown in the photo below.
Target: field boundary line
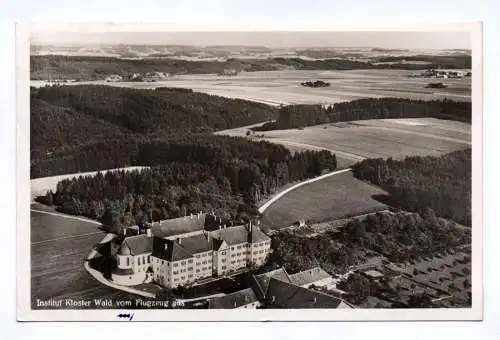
{"x": 66, "y": 237}
{"x": 298, "y": 185}
{"x": 428, "y": 135}
{"x": 67, "y": 216}
{"x": 348, "y": 155}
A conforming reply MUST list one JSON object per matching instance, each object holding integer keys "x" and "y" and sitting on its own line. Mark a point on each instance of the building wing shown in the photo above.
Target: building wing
{"x": 234, "y": 300}
{"x": 232, "y": 235}
{"x": 257, "y": 235}
{"x": 169, "y": 250}
{"x": 197, "y": 244}
{"x": 179, "y": 226}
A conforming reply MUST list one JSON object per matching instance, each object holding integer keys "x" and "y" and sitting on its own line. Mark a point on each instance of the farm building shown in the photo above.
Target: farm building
{"x": 442, "y": 73}
{"x": 277, "y": 289}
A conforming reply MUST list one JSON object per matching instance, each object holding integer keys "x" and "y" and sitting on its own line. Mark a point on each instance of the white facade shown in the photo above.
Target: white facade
{"x": 215, "y": 257}
{"x": 130, "y": 271}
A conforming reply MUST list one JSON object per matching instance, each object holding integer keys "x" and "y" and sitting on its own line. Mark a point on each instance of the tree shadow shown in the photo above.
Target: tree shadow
{"x": 388, "y": 200}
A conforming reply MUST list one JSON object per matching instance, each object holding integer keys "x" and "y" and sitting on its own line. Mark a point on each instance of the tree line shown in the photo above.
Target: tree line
{"x": 399, "y": 236}
{"x": 296, "y": 116}
{"x": 416, "y": 183}
{"x": 82, "y": 68}
{"x": 162, "y": 109}
{"x": 191, "y": 178}
{"x": 85, "y": 128}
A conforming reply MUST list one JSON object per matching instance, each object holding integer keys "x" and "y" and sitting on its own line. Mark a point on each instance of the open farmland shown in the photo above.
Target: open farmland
{"x": 384, "y": 138}
{"x": 336, "y": 196}
{"x": 283, "y": 87}
{"x": 59, "y": 246}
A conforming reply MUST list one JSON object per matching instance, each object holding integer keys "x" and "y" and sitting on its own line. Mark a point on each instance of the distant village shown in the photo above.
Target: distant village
{"x": 442, "y": 73}
{"x": 155, "y": 76}
{"x": 139, "y": 77}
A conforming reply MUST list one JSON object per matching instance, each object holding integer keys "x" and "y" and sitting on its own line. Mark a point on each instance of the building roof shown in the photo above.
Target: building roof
{"x": 178, "y": 226}
{"x": 262, "y": 280}
{"x": 196, "y": 244}
{"x": 121, "y": 271}
{"x": 169, "y": 250}
{"x": 124, "y": 250}
{"x": 240, "y": 234}
{"x": 373, "y": 273}
{"x": 309, "y": 276}
{"x": 217, "y": 243}
{"x": 234, "y": 300}
{"x": 287, "y": 295}
{"x": 139, "y": 244}
{"x": 232, "y": 235}
{"x": 257, "y": 235}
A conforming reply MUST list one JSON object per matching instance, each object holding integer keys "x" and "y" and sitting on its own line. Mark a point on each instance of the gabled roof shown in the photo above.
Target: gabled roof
{"x": 309, "y": 276}
{"x": 178, "y": 226}
{"x": 169, "y": 250}
{"x": 232, "y": 235}
{"x": 261, "y": 281}
{"x": 139, "y": 244}
{"x": 257, "y": 235}
{"x": 196, "y": 244}
{"x": 287, "y": 295}
{"x": 234, "y": 300}
{"x": 218, "y": 244}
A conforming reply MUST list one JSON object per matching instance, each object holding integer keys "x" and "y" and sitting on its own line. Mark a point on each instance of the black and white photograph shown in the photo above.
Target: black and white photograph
{"x": 184, "y": 172}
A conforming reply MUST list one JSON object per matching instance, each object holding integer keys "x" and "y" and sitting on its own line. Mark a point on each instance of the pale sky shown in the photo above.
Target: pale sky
{"x": 381, "y": 39}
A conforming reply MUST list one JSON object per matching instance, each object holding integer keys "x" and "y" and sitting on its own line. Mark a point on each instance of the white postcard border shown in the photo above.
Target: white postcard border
{"x": 24, "y": 311}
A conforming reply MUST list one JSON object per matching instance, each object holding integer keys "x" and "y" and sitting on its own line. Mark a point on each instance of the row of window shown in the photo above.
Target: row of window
{"x": 265, "y": 243}
{"x": 145, "y": 260}
{"x": 240, "y": 254}
{"x": 203, "y": 269}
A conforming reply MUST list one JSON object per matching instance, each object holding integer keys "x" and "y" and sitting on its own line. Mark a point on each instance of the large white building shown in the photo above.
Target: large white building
{"x": 180, "y": 251}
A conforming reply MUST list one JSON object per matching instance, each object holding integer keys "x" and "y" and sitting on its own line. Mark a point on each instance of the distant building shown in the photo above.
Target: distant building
{"x": 228, "y": 72}
{"x": 278, "y": 289}
{"x": 312, "y": 277}
{"x": 245, "y": 298}
{"x": 373, "y": 274}
{"x": 282, "y": 294}
{"x": 260, "y": 282}
{"x": 444, "y": 73}
{"x": 114, "y": 78}
{"x": 180, "y": 251}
